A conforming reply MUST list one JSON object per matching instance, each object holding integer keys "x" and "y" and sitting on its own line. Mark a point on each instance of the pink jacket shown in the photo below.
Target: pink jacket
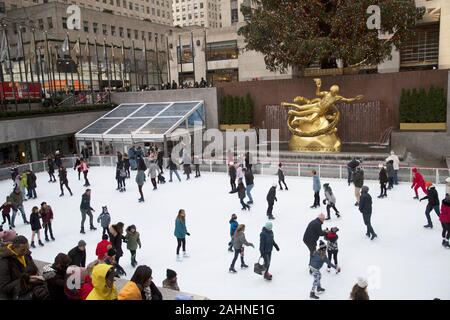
{"x": 83, "y": 166}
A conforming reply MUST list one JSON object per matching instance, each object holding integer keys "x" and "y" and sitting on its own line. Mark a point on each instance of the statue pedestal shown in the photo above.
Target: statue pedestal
{"x": 322, "y": 143}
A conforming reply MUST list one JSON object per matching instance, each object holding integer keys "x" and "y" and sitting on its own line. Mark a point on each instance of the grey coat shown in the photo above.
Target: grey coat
{"x": 239, "y": 241}
{"x": 329, "y": 195}
{"x": 153, "y": 170}
{"x": 140, "y": 177}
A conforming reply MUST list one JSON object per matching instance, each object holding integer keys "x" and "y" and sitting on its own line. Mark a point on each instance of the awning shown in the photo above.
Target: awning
{"x": 149, "y": 122}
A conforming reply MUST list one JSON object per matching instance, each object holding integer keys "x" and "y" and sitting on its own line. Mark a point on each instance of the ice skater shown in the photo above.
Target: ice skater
{"x": 133, "y": 240}
{"x": 126, "y": 164}
{"x": 332, "y": 246}
{"x": 140, "y": 177}
{"x": 271, "y": 198}
{"x": 433, "y": 204}
{"x": 17, "y": 205}
{"x": 232, "y": 174}
{"x": 153, "y": 172}
{"x": 31, "y": 183}
{"x": 77, "y": 167}
{"x": 249, "y": 184}
{"x": 241, "y": 195}
{"x": 180, "y": 233}
{"x": 197, "y": 166}
{"x": 312, "y": 234}
{"x": 173, "y": 169}
{"x": 418, "y": 182}
{"x": 383, "y": 178}
{"x": 365, "y": 207}
{"x": 85, "y": 169}
{"x": 316, "y": 189}
{"x": 86, "y": 210}
{"x": 104, "y": 219}
{"x": 51, "y": 169}
{"x": 47, "y": 217}
{"x": 396, "y": 164}
{"x": 6, "y": 209}
{"x": 390, "y": 173}
{"x": 351, "y": 168}
{"x": 63, "y": 181}
{"x": 239, "y": 242}
{"x": 36, "y": 227}
{"x": 233, "y": 226}
{"x": 445, "y": 221}
{"x": 317, "y": 261}
{"x": 280, "y": 174}
{"x": 120, "y": 176}
{"x": 266, "y": 245}
{"x": 115, "y": 232}
{"x": 358, "y": 181}
{"x": 330, "y": 201}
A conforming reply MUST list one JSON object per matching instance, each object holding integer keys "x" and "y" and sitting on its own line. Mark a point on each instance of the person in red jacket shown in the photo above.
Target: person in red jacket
{"x": 418, "y": 182}
{"x": 103, "y": 247}
{"x": 444, "y": 217}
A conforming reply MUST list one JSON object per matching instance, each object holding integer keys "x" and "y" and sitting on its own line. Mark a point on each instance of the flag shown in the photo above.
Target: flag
{"x": 112, "y": 52}
{"x": 3, "y": 48}
{"x": 122, "y": 53}
{"x": 65, "y": 49}
{"x": 32, "y": 53}
{"x": 86, "y": 48}
{"x": 76, "y": 49}
{"x": 192, "y": 45}
{"x": 143, "y": 51}
{"x": 19, "y": 47}
{"x": 181, "y": 49}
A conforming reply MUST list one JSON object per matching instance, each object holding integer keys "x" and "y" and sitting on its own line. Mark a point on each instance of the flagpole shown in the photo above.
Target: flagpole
{"x": 2, "y": 81}
{"x": 181, "y": 61}
{"x": 90, "y": 69}
{"x": 31, "y": 65}
{"x": 206, "y": 57}
{"x": 53, "y": 68}
{"x": 157, "y": 62}
{"x": 106, "y": 63}
{"x": 10, "y": 67}
{"x": 41, "y": 67}
{"x": 168, "y": 61}
{"x": 18, "y": 61}
{"x": 77, "y": 55}
{"x": 58, "y": 70}
{"x": 48, "y": 66}
{"x": 38, "y": 71}
{"x": 193, "y": 54}
{"x": 134, "y": 58}
{"x": 25, "y": 66}
{"x": 113, "y": 63}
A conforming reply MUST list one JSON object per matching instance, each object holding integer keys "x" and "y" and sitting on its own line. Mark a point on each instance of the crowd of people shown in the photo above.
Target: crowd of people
{"x": 21, "y": 279}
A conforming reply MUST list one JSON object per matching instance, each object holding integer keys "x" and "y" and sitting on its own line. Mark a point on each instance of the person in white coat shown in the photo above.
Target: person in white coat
{"x": 396, "y": 163}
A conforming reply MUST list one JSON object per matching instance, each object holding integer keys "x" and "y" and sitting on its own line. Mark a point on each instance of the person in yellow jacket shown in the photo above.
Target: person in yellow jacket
{"x": 140, "y": 287}
{"x": 103, "y": 282}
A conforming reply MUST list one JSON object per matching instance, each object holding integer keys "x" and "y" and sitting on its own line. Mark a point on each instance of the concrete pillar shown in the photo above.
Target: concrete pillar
{"x": 448, "y": 103}
{"x": 34, "y": 150}
{"x": 392, "y": 65}
{"x": 444, "y": 35}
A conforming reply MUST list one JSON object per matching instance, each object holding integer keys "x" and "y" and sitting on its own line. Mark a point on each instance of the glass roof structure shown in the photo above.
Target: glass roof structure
{"x": 145, "y": 121}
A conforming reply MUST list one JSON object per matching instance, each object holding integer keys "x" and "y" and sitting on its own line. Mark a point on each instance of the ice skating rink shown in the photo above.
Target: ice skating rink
{"x": 406, "y": 261}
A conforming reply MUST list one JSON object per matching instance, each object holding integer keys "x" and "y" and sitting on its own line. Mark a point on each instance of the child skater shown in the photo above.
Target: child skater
{"x": 383, "y": 178}
{"x": 104, "y": 219}
{"x": 233, "y": 226}
{"x": 35, "y": 226}
{"x": 330, "y": 201}
{"x": 181, "y": 233}
{"x": 6, "y": 209}
{"x": 332, "y": 246}
{"x": 133, "y": 240}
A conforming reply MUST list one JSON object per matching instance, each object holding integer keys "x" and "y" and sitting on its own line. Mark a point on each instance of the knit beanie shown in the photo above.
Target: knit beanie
{"x": 269, "y": 225}
{"x": 170, "y": 274}
{"x": 362, "y": 283}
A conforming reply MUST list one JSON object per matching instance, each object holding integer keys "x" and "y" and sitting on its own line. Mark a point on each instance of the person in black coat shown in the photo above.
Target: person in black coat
{"x": 312, "y": 234}
{"x": 115, "y": 232}
{"x": 383, "y": 178}
{"x": 365, "y": 207}
{"x": 31, "y": 184}
{"x": 247, "y": 161}
{"x": 78, "y": 254}
{"x": 51, "y": 169}
{"x": 271, "y": 198}
{"x": 232, "y": 174}
{"x": 55, "y": 276}
{"x": 351, "y": 167}
{"x": 280, "y": 174}
{"x": 12, "y": 271}
{"x": 14, "y": 172}
{"x": 433, "y": 204}
{"x": 77, "y": 166}
{"x": 160, "y": 160}
{"x": 63, "y": 181}
{"x": 241, "y": 194}
{"x": 249, "y": 184}
{"x": 36, "y": 227}
{"x": 266, "y": 245}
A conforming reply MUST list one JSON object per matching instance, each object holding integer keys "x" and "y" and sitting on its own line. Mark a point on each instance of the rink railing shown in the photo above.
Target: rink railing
{"x": 299, "y": 169}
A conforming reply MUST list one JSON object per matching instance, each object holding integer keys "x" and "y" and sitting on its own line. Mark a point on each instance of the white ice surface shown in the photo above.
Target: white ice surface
{"x": 405, "y": 262}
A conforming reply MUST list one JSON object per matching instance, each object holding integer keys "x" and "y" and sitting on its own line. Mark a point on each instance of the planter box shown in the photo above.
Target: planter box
{"x": 234, "y": 126}
{"x": 423, "y": 126}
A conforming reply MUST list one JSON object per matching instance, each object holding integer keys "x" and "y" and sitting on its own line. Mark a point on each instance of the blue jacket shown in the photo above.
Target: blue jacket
{"x": 317, "y": 261}
{"x": 180, "y": 229}
{"x": 316, "y": 183}
{"x": 233, "y": 226}
{"x": 267, "y": 241}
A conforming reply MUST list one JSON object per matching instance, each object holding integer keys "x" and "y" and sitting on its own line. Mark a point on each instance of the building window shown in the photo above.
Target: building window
{"x": 222, "y": 75}
{"x": 118, "y": 3}
{"x": 95, "y": 27}
{"x": 201, "y": 5}
{"x": 86, "y": 26}
{"x": 187, "y": 54}
{"x": 50, "y": 22}
{"x": 128, "y": 33}
{"x": 113, "y": 30}
{"x": 130, "y": 6}
{"x": 105, "y": 31}
{"x": 223, "y": 50}
{"x": 422, "y": 50}
{"x": 234, "y": 15}
{"x": 136, "y": 34}
{"x": 64, "y": 22}
{"x": 153, "y": 11}
{"x": 124, "y": 4}
{"x": 158, "y": 12}
{"x": 2, "y": 7}
{"x": 143, "y": 35}
{"x": 149, "y": 36}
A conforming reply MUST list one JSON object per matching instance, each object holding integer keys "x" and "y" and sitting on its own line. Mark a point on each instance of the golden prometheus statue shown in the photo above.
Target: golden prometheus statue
{"x": 313, "y": 122}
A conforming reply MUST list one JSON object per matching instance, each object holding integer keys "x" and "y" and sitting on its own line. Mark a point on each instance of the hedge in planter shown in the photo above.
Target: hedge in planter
{"x": 236, "y": 110}
{"x": 419, "y": 106}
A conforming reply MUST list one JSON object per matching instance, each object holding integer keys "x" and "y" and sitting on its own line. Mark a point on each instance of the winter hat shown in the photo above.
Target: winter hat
{"x": 362, "y": 283}
{"x": 414, "y": 170}
{"x": 170, "y": 274}
{"x": 43, "y": 203}
{"x": 325, "y": 185}
{"x": 428, "y": 184}
{"x": 334, "y": 229}
{"x": 111, "y": 252}
{"x": 392, "y": 152}
{"x": 81, "y": 243}
{"x": 268, "y": 225}
{"x": 322, "y": 245}
{"x": 365, "y": 189}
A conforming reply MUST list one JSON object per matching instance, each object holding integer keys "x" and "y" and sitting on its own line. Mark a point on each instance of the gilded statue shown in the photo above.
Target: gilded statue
{"x": 313, "y": 122}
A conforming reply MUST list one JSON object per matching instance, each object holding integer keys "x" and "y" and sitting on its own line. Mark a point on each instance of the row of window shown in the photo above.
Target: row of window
{"x": 223, "y": 50}
{"x": 135, "y": 6}
{"x": 201, "y": 23}
{"x": 195, "y": 6}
